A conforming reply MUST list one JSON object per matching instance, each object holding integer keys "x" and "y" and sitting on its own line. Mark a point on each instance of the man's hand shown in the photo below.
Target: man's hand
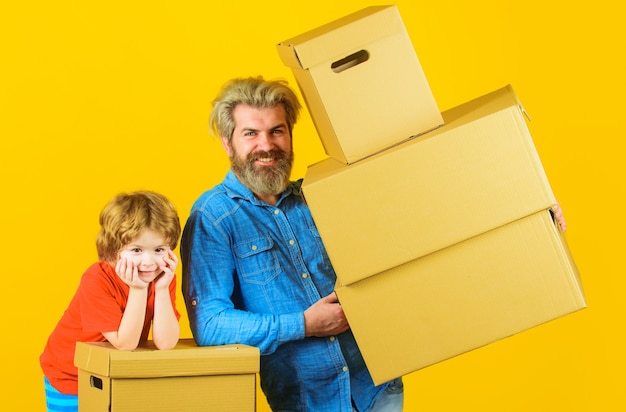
{"x": 325, "y": 317}
{"x": 558, "y": 217}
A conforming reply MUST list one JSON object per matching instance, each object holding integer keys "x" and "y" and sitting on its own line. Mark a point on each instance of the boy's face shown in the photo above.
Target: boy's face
{"x": 146, "y": 252}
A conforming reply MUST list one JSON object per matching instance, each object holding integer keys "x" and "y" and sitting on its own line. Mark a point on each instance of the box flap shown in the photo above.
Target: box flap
{"x": 97, "y": 364}
{"x": 186, "y": 359}
{"x": 500, "y": 99}
{"x": 341, "y": 37}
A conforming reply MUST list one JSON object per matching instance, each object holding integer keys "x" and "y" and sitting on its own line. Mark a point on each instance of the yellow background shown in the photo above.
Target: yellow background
{"x": 102, "y": 97}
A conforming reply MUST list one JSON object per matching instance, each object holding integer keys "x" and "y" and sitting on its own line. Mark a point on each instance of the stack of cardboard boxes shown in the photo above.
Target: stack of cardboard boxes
{"x": 438, "y": 225}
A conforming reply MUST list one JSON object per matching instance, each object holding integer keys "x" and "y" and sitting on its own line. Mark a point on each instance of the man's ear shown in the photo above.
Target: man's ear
{"x": 226, "y": 145}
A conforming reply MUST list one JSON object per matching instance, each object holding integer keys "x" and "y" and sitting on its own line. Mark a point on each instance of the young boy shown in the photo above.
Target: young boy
{"x": 132, "y": 287}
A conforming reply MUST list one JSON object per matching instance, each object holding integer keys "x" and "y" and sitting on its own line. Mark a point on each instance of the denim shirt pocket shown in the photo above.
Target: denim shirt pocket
{"x": 256, "y": 260}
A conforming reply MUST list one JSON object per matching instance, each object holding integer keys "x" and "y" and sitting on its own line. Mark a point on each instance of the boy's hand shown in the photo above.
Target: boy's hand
{"x": 168, "y": 271}
{"x": 127, "y": 271}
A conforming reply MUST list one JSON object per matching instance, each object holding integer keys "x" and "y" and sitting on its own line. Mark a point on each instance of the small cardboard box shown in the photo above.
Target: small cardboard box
{"x": 477, "y": 172}
{"x": 462, "y": 297}
{"x": 362, "y": 82}
{"x": 186, "y": 378}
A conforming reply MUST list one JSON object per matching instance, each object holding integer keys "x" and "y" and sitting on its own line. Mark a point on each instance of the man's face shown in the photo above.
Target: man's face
{"x": 260, "y": 149}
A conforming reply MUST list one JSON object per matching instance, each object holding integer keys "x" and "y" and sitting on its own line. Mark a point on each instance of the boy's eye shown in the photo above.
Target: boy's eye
{"x": 159, "y": 250}
{"x": 135, "y": 250}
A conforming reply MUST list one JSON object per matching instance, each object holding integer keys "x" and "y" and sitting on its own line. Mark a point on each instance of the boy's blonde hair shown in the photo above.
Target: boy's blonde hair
{"x": 127, "y": 214}
{"x": 254, "y": 92}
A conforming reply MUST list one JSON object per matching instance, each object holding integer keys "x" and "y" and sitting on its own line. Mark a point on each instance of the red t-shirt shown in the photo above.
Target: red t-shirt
{"x": 97, "y": 306}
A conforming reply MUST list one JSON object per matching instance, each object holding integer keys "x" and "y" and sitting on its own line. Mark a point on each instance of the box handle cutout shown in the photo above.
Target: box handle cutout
{"x": 95, "y": 382}
{"x": 352, "y": 60}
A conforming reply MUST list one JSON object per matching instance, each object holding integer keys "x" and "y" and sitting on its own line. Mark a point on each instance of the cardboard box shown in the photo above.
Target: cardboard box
{"x": 362, "y": 82}
{"x": 477, "y": 172}
{"x": 186, "y": 378}
{"x": 462, "y": 297}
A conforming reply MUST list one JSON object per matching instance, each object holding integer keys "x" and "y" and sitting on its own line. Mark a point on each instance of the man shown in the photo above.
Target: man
{"x": 255, "y": 270}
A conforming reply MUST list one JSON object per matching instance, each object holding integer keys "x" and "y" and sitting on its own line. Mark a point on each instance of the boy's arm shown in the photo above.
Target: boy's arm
{"x": 165, "y": 327}
{"x": 128, "y": 335}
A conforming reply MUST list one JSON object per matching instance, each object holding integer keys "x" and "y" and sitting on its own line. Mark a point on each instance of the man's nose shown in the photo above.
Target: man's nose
{"x": 265, "y": 141}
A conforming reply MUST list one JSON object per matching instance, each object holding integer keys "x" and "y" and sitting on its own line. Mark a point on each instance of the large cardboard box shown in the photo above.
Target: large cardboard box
{"x": 477, "y": 172}
{"x": 462, "y": 297}
{"x": 362, "y": 82}
{"x": 186, "y": 378}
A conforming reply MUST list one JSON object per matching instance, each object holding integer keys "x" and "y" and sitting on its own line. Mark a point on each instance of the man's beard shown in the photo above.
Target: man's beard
{"x": 264, "y": 180}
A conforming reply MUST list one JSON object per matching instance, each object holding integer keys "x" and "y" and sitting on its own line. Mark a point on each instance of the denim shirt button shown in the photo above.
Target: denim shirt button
{"x": 345, "y": 369}
{"x": 304, "y": 276}
{"x": 276, "y": 212}
{"x": 332, "y": 338}
{"x": 291, "y": 242}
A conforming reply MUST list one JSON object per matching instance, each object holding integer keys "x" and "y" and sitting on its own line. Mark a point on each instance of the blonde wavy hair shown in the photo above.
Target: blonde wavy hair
{"x": 254, "y": 92}
{"x": 128, "y": 214}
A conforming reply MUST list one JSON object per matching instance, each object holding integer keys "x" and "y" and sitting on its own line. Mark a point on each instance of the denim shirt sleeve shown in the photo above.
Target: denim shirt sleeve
{"x": 212, "y": 289}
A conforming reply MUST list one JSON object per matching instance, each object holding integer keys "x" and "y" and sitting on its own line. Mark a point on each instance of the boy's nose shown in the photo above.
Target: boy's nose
{"x": 151, "y": 261}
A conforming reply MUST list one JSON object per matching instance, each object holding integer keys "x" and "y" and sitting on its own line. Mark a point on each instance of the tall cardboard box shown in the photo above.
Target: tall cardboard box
{"x": 462, "y": 297}
{"x": 362, "y": 82}
{"x": 477, "y": 172}
{"x": 186, "y": 378}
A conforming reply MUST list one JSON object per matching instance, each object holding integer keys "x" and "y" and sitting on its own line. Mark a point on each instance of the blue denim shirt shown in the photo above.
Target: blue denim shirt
{"x": 250, "y": 270}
